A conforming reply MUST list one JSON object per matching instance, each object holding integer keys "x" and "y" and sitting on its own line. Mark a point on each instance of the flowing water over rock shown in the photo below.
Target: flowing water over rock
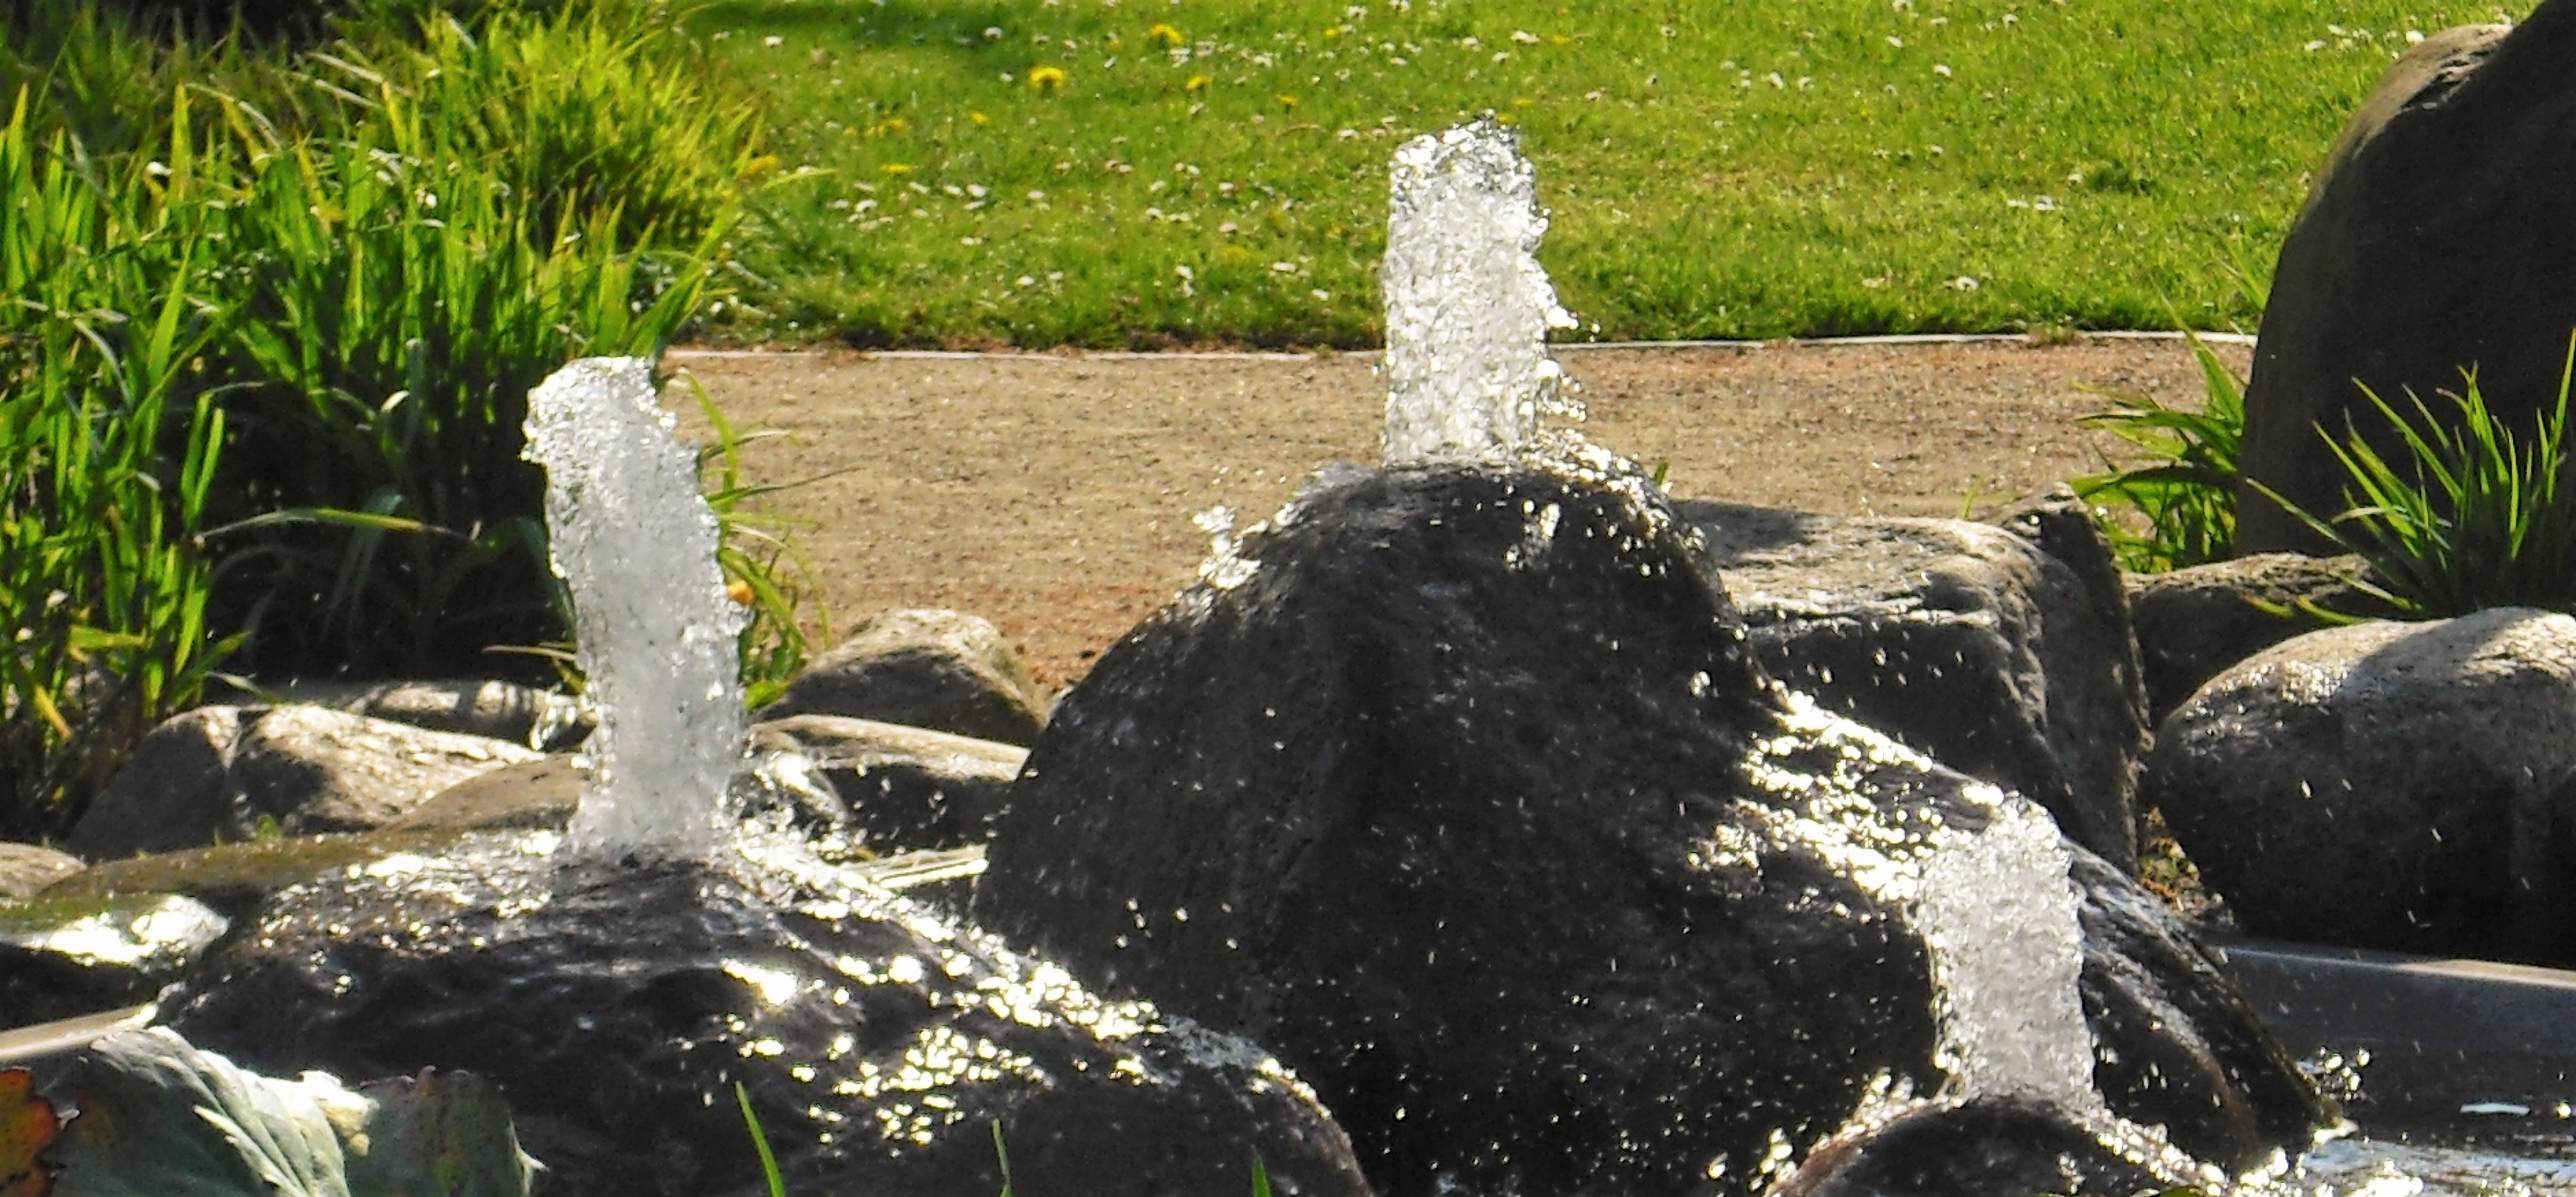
{"x": 620, "y": 1002}
{"x": 637, "y": 545}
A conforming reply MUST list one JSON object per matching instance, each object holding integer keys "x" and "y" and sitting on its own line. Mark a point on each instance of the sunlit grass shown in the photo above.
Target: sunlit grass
{"x": 1038, "y": 172}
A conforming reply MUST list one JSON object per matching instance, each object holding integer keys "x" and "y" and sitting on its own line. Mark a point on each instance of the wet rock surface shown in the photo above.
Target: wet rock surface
{"x": 63, "y": 957}
{"x": 1988, "y": 1148}
{"x": 2401, "y": 786}
{"x": 235, "y": 878}
{"x": 1465, "y": 792}
{"x": 1967, "y": 642}
{"x": 907, "y": 788}
{"x": 2458, "y": 175}
{"x": 943, "y": 670}
{"x": 231, "y": 773}
{"x": 617, "y": 1004}
{"x": 2194, "y": 624}
{"x": 2176, "y": 1043}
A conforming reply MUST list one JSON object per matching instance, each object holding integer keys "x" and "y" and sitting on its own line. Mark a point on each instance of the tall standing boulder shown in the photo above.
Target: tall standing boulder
{"x": 2438, "y": 235}
{"x": 1463, "y": 790}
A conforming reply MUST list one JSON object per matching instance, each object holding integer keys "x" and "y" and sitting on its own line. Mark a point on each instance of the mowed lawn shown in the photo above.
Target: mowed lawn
{"x": 1159, "y": 172}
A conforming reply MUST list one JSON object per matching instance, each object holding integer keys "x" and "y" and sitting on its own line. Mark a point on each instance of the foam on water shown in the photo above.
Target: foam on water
{"x": 636, "y": 544}
{"x": 1467, "y": 305}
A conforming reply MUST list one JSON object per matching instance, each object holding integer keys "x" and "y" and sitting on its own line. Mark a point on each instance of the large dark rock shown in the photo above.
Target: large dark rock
{"x": 907, "y": 788}
{"x": 942, "y": 670}
{"x": 233, "y": 773}
{"x": 2388, "y": 785}
{"x": 2436, "y": 237}
{"x": 619, "y": 1004}
{"x": 2196, "y": 623}
{"x": 1970, "y": 643}
{"x": 1462, "y": 789}
{"x": 1985, "y": 1148}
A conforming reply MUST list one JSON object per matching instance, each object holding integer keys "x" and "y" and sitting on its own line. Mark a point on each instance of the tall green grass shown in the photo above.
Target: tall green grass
{"x": 399, "y": 307}
{"x": 109, "y": 442}
{"x": 264, "y": 361}
{"x": 2183, "y": 492}
{"x": 2470, "y": 512}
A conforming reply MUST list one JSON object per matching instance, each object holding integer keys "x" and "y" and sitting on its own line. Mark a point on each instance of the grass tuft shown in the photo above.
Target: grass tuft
{"x": 2185, "y": 492}
{"x": 2471, "y": 513}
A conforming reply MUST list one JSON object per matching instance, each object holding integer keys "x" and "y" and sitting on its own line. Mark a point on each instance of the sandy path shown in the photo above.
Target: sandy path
{"x": 1054, "y": 495}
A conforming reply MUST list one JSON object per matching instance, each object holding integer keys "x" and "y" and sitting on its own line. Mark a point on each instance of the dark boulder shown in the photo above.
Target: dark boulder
{"x": 1463, "y": 790}
{"x": 1984, "y": 1148}
{"x": 618, "y": 1005}
{"x": 2389, "y": 785}
{"x": 942, "y": 670}
{"x": 2436, "y": 238}
{"x": 907, "y": 788}
{"x": 2196, "y": 623}
{"x": 1972, "y": 644}
{"x": 233, "y": 773}
{"x": 2176, "y": 1043}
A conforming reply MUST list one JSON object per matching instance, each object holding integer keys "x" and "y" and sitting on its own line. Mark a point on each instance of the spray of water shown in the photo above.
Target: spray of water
{"x": 1467, "y": 305}
{"x": 2007, "y": 951}
{"x": 637, "y": 546}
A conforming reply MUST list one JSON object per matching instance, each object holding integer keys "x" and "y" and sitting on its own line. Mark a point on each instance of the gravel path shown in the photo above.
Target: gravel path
{"x": 1054, "y": 494}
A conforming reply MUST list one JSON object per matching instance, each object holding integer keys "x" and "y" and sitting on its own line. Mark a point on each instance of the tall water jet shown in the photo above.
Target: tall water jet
{"x": 637, "y": 544}
{"x": 1467, "y": 304}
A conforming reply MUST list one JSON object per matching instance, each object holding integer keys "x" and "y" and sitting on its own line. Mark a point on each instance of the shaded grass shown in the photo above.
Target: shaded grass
{"x": 2095, "y": 164}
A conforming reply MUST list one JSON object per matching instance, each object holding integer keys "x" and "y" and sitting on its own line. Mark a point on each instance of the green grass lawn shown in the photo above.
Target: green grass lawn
{"x": 1152, "y": 172}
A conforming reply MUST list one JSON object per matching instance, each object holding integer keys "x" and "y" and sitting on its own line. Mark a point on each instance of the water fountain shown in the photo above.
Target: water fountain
{"x": 1455, "y": 785}
{"x": 637, "y": 547}
{"x": 1467, "y": 306}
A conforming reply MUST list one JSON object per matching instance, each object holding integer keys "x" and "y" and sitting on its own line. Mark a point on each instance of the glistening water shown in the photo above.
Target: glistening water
{"x": 1467, "y": 305}
{"x": 1468, "y": 310}
{"x": 637, "y": 545}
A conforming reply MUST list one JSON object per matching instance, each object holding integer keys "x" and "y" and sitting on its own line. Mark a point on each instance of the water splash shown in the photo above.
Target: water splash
{"x": 2000, "y": 915}
{"x": 1467, "y": 304}
{"x": 636, "y": 544}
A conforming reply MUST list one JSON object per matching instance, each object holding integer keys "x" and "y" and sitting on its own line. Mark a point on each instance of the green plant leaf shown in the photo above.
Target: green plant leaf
{"x": 159, "y": 1118}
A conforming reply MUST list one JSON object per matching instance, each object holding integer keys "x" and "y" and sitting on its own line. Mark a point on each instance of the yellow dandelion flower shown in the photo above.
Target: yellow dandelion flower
{"x": 1165, "y": 35}
{"x": 979, "y": 118}
{"x": 1287, "y": 101}
{"x": 1197, "y": 83}
{"x": 896, "y": 169}
{"x": 759, "y": 166}
{"x": 1046, "y": 78}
